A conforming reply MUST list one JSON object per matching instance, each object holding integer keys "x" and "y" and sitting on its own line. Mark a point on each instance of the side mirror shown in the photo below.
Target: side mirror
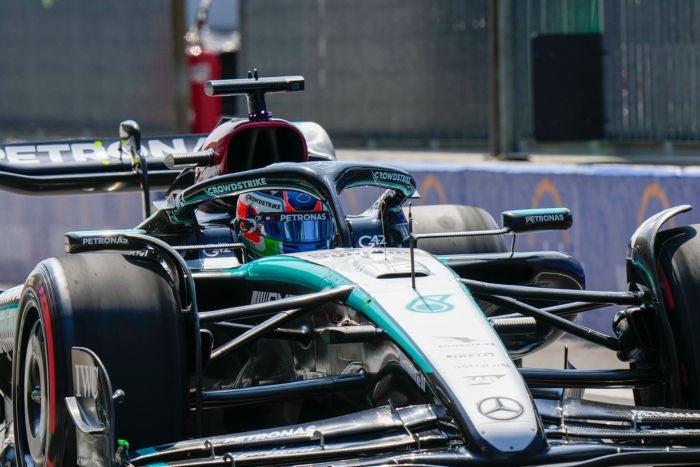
{"x": 530, "y": 220}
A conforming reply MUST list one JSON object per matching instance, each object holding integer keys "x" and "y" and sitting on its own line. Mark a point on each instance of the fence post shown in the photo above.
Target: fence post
{"x": 180, "y": 83}
{"x": 506, "y": 84}
{"x": 494, "y": 115}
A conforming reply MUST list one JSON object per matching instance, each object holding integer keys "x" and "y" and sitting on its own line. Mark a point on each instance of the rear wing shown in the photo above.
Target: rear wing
{"x": 74, "y": 166}
{"x": 97, "y": 165}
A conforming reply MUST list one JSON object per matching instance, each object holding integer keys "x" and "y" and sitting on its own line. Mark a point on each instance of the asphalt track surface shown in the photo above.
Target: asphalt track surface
{"x": 583, "y": 356}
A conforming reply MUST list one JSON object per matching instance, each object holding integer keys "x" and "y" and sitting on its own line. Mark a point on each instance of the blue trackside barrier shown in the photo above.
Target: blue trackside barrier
{"x": 607, "y": 202}
{"x": 33, "y": 226}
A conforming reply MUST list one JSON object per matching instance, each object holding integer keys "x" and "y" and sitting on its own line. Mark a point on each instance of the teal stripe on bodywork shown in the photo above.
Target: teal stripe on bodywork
{"x": 150, "y": 452}
{"x": 465, "y": 289}
{"x": 362, "y": 301}
{"x": 302, "y": 273}
{"x": 146, "y": 452}
{"x": 651, "y": 281}
{"x": 407, "y": 191}
{"x": 471, "y": 298}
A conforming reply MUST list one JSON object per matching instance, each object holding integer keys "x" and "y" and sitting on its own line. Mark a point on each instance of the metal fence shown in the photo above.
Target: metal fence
{"x": 653, "y": 77}
{"x": 534, "y": 17}
{"x": 85, "y": 65}
{"x": 651, "y": 64}
{"x": 393, "y": 71}
{"x": 420, "y": 69}
{"x": 403, "y": 71}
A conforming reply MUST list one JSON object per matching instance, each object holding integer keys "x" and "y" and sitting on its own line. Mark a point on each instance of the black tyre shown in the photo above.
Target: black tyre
{"x": 679, "y": 270}
{"x": 456, "y": 218}
{"x": 123, "y": 308}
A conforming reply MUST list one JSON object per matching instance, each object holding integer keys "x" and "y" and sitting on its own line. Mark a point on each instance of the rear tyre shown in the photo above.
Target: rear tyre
{"x": 121, "y": 307}
{"x": 456, "y": 218}
{"x": 679, "y": 271}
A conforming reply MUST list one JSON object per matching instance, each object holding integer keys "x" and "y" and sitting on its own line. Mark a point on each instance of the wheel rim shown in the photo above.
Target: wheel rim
{"x": 34, "y": 393}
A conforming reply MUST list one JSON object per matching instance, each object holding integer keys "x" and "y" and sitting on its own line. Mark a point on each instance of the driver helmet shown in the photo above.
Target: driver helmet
{"x": 274, "y": 222}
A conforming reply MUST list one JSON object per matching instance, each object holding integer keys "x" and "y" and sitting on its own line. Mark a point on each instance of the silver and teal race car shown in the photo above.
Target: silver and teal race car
{"x": 252, "y": 320}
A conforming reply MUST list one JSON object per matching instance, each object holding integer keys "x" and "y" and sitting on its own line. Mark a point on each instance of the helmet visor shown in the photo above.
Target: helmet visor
{"x": 297, "y": 227}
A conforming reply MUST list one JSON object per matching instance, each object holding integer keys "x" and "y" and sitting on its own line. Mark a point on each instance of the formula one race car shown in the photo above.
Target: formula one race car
{"x": 251, "y": 321}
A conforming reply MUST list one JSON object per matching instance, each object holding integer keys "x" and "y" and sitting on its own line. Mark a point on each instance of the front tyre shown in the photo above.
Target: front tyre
{"x": 124, "y": 309}
{"x": 679, "y": 271}
{"x": 37, "y": 389}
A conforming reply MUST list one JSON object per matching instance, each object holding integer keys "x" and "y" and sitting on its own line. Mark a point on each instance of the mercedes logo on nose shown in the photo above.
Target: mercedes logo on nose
{"x": 500, "y": 408}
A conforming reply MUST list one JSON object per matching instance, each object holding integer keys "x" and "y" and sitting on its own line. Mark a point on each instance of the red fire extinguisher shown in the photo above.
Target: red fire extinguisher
{"x": 205, "y": 111}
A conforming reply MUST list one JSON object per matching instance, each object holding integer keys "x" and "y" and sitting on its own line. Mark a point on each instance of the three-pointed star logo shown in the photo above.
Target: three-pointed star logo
{"x": 430, "y": 304}
{"x": 500, "y": 408}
